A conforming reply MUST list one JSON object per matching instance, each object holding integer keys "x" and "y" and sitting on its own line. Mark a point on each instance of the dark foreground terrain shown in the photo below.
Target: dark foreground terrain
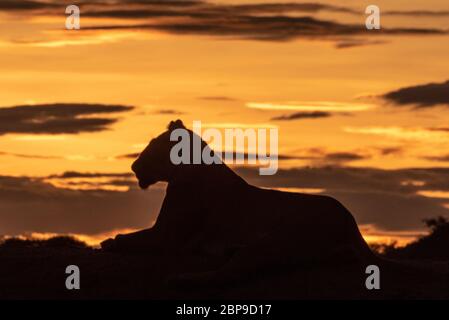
{"x": 36, "y": 270}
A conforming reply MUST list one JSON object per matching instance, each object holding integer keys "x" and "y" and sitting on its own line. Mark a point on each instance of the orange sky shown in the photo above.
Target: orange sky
{"x": 229, "y": 79}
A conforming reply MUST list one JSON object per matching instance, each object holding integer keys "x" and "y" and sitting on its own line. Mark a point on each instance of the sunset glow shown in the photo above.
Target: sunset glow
{"x": 353, "y": 109}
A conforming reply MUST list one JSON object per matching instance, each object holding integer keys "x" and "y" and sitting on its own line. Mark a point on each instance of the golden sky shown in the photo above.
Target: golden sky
{"x": 342, "y": 96}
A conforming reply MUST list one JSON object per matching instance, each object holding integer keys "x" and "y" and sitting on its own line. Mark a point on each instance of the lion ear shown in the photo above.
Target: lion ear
{"x": 176, "y": 125}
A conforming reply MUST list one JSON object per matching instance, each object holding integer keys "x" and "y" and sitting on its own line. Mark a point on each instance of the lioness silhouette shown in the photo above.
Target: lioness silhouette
{"x": 210, "y": 209}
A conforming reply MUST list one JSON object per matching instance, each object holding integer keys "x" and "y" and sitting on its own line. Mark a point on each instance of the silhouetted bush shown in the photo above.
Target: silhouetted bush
{"x": 434, "y": 246}
{"x": 384, "y": 248}
{"x": 54, "y": 242}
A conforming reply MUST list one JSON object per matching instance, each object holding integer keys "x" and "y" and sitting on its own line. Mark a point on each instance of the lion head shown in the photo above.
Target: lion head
{"x": 153, "y": 164}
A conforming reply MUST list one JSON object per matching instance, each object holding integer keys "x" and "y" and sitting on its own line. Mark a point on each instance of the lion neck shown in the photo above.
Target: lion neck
{"x": 210, "y": 176}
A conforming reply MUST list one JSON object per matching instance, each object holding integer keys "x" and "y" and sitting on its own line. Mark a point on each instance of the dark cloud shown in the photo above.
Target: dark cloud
{"x": 277, "y": 8}
{"x": 135, "y": 14}
{"x": 303, "y": 115}
{"x": 266, "y": 28}
{"x": 422, "y": 96}
{"x": 439, "y": 129}
{"x": 351, "y": 43}
{"x": 390, "y": 151}
{"x": 76, "y": 174}
{"x": 168, "y": 112}
{"x": 252, "y": 21}
{"x": 217, "y": 98}
{"x": 338, "y": 158}
{"x": 208, "y": 10}
{"x": 344, "y": 156}
{"x": 128, "y": 156}
{"x": 74, "y": 180}
{"x": 174, "y": 3}
{"x": 12, "y": 5}
{"x": 32, "y": 205}
{"x": 417, "y": 13}
{"x": 28, "y": 156}
{"x": 321, "y": 157}
{"x": 136, "y": 9}
{"x": 57, "y": 118}
{"x": 443, "y": 158}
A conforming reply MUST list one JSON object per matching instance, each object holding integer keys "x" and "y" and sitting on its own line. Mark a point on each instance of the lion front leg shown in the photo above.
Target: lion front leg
{"x": 144, "y": 240}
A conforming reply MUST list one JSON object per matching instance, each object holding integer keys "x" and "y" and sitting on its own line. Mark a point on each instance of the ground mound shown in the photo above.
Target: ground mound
{"x": 36, "y": 270}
